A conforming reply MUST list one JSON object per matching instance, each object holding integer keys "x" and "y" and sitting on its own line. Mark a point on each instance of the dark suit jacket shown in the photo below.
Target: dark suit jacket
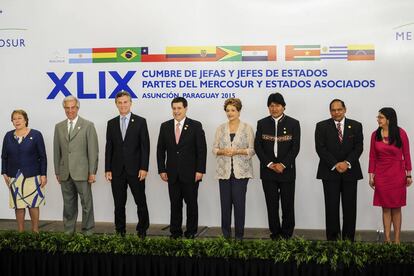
{"x": 288, "y": 135}
{"x": 331, "y": 151}
{"x": 29, "y": 156}
{"x": 184, "y": 159}
{"x": 133, "y": 152}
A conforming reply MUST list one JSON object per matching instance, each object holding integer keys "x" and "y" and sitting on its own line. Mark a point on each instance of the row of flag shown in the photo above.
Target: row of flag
{"x": 317, "y": 53}
{"x": 173, "y": 54}
{"x": 221, "y": 53}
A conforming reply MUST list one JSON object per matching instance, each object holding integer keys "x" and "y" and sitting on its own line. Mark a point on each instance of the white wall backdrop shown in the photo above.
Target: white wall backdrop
{"x": 35, "y": 37}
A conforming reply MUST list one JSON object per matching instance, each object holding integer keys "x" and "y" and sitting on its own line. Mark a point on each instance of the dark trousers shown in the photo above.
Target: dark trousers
{"x": 119, "y": 186}
{"x": 274, "y": 190}
{"x": 334, "y": 192}
{"x": 178, "y": 191}
{"x": 233, "y": 193}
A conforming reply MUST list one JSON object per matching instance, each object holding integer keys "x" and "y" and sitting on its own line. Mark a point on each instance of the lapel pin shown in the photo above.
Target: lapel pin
{"x": 31, "y": 138}
{"x": 132, "y": 120}
{"x": 78, "y": 127}
{"x": 185, "y": 127}
{"x": 349, "y": 126}
{"x": 284, "y": 132}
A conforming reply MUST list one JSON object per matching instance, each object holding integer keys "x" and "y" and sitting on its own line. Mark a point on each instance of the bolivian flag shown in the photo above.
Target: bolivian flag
{"x": 102, "y": 55}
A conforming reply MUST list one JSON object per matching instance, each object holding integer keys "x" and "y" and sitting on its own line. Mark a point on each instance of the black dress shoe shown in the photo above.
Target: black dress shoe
{"x": 190, "y": 236}
{"x": 142, "y": 234}
{"x": 122, "y": 234}
{"x": 175, "y": 237}
{"x": 275, "y": 237}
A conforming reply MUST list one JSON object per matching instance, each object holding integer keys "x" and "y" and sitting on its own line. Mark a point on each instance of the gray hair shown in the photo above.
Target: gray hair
{"x": 69, "y": 99}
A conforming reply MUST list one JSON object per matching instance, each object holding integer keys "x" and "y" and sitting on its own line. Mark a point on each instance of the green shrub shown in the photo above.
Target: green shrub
{"x": 297, "y": 250}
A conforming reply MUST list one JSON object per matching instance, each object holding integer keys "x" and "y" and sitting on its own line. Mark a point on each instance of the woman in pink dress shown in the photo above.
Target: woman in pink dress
{"x": 389, "y": 170}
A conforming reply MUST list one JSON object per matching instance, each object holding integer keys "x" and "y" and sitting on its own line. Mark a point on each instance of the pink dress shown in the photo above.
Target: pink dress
{"x": 389, "y": 164}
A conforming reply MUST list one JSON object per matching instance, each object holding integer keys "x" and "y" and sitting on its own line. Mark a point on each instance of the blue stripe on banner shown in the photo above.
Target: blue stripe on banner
{"x": 329, "y": 57}
{"x": 80, "y": 51}
{"x": 334, "y": 54}
{"x": 80, "y": 60}
{"x": 254, "y": 58}
{"x": 338, "y": 51}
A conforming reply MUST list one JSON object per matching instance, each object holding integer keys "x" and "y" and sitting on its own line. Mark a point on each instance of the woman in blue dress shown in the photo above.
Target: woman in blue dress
{"x": 24, "y": 165}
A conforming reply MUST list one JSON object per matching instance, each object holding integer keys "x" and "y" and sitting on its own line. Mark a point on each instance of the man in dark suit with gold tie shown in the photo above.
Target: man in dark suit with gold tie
{"x": 126, "y": 162}
{"x": 181, "y": 157}
{"x": 339, "y": 144}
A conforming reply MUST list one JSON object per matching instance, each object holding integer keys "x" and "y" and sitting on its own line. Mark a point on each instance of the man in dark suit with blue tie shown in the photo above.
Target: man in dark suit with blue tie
{"x": 126, "y": 162}
{"x": 277, "y": 144}
{"x": 339, "y": 144}
{"x": 181, "y": 157}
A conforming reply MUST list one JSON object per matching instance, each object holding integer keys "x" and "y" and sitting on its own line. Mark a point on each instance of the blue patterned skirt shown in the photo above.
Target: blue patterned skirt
{"x": 25, "y": 192}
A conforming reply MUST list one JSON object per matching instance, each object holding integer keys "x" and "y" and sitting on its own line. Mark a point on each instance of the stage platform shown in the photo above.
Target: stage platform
{"x": 162, "y": 230}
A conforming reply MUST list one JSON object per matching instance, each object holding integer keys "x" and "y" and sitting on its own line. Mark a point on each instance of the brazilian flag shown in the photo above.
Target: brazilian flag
{"x": 131, "y": 54}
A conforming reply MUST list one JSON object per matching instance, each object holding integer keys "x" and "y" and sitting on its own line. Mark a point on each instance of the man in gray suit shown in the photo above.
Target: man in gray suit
{"x": 75, "y": 148}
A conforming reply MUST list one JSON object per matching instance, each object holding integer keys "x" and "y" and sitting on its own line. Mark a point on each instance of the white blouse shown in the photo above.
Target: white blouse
{"x": 242, "y": 164}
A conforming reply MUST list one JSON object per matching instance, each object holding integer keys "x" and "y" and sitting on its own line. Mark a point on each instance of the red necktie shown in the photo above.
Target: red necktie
{"x": 177, "y": 133}
{"x": 338, "y": 127}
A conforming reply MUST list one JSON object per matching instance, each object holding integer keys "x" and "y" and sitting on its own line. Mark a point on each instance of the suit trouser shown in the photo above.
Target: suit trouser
{"x": 119, "y": 186}
{"x": 334, "y": 191}
{"x": 178, "y": 191}
{"x": 70, "y": 190}
{"x": 233, "y": 192}
{"x": 274, "y": 190}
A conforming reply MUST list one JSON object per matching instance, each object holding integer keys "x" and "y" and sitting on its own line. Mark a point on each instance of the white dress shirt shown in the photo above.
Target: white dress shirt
{"x": 275, "y": 146}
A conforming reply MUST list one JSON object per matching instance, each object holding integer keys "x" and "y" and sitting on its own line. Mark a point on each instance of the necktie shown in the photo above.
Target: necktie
{"x": 340, "y": 137}
{"x": 177, "y": 133}
{"x": 70, "y": 128}
{"x": 123, "y": 127}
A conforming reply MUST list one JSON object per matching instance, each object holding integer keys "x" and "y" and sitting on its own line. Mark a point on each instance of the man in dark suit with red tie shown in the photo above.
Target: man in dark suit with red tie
{"x": 181, "y": 157}
{"x": 277, "y": 144}
{"x": 339, "y": 144}
{"x": 126, "y": 162}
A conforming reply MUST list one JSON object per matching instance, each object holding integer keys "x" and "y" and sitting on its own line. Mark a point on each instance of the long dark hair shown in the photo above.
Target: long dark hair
{"x": 393, "y": 129}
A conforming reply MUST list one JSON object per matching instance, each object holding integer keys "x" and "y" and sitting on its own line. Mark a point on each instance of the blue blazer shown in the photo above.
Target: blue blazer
{"x": 29, "y": 156}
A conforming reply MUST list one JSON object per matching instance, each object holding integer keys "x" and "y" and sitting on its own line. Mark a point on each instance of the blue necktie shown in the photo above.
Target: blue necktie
{"x": 123, "y": 127}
